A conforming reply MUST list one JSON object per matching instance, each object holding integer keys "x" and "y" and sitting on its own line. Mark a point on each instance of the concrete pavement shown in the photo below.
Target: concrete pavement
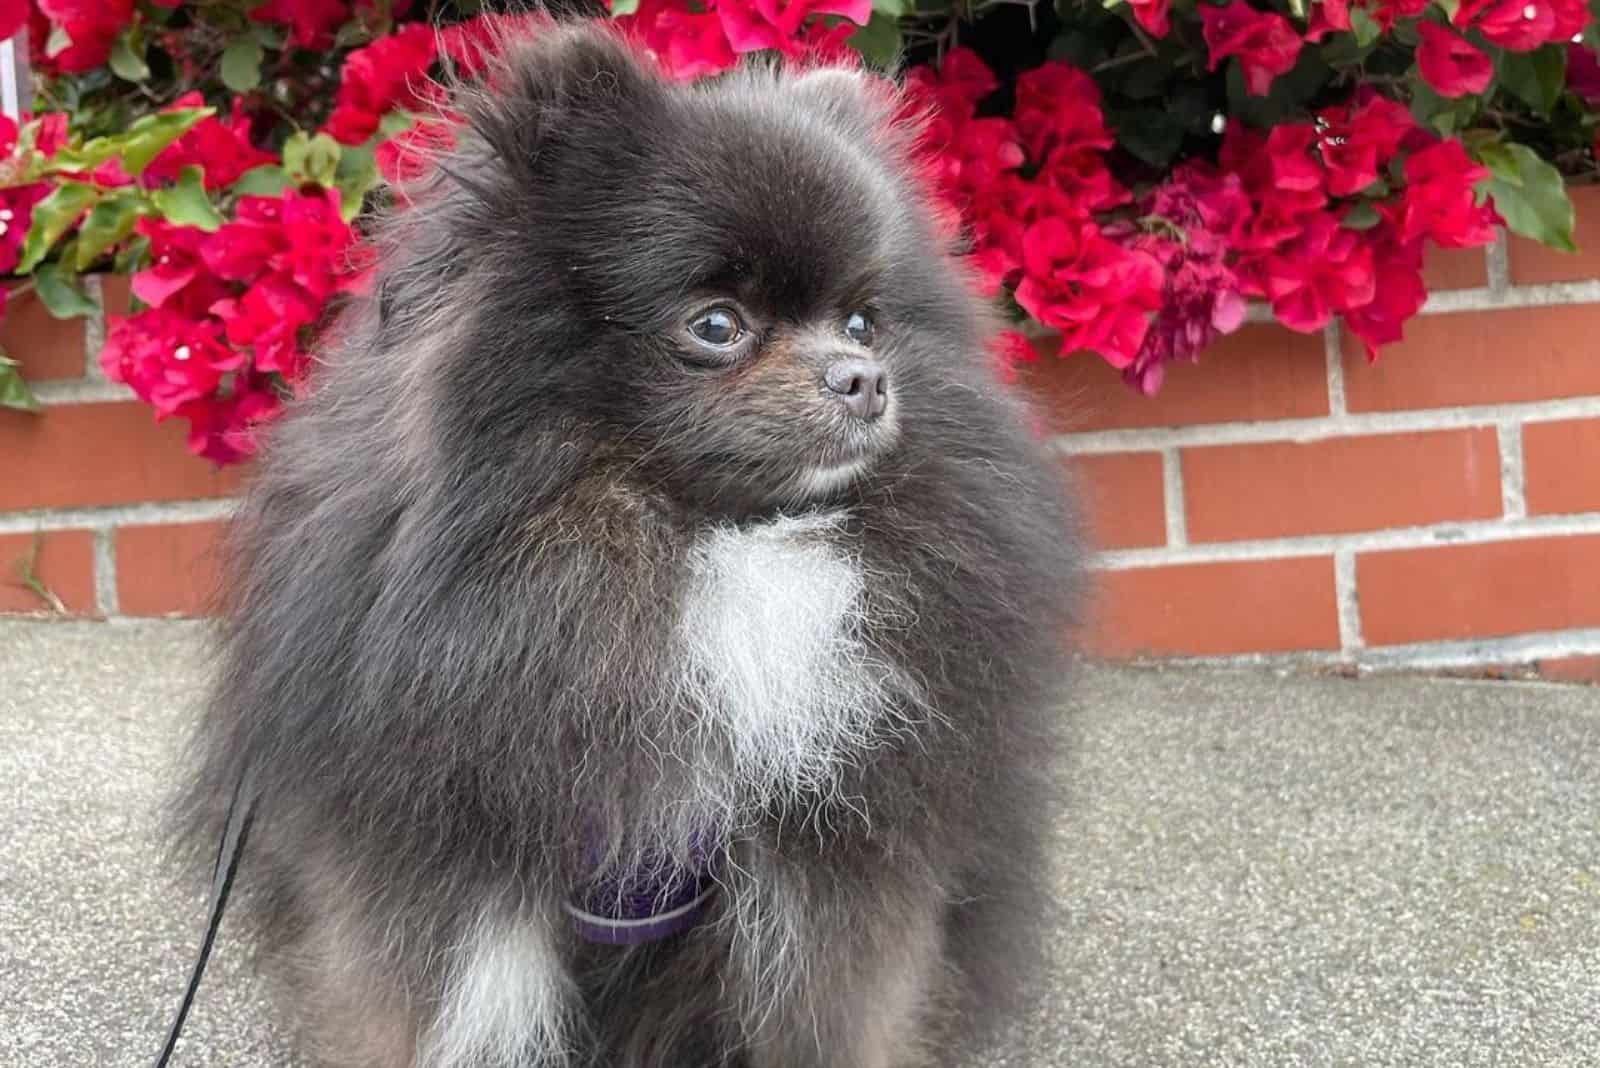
{"x": 1255, "y": 870}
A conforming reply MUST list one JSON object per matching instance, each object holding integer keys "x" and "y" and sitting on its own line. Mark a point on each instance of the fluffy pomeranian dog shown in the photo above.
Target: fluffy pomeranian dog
{"x": 646, "y": 636}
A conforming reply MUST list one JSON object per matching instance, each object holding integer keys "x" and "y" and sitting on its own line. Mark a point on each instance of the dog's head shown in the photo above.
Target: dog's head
{"x": 733, "y": 286}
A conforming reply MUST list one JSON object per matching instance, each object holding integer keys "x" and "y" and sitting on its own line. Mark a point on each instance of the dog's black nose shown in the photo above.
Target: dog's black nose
{"x": 863, "y": 386}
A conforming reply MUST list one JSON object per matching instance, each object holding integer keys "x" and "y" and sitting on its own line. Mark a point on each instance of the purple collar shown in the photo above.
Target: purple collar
{"x": 632, "y": 908}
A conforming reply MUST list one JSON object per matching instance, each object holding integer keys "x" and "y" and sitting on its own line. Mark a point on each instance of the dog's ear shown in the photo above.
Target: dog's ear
{"x": 556, "y": 87}
{"x": 858, "y": 100}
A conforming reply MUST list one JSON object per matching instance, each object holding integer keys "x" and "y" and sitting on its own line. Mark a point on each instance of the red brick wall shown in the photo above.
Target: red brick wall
{"x": 1282, "y": 497}
{"x": 102, "y": 510}
{"x": 1439, "y": 508}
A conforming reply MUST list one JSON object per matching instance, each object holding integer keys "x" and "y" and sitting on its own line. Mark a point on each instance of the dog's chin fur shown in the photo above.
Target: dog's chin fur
{"x": 518, "y": 592}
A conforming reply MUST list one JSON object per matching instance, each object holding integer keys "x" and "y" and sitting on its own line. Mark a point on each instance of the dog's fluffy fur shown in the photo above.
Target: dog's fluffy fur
{"x": 528, "y": 585}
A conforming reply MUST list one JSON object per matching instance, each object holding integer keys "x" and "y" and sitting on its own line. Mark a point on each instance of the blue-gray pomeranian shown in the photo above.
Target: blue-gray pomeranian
{"x": 646, "y": 636}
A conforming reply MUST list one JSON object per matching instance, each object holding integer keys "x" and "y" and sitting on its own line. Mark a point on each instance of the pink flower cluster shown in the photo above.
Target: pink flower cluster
{"x": 1028, "y": 187}
{"x": 229, "y": 309}
{"x": 692, "y": 40}
{"x": 1453, "y": 66}
{"x": 1282, "y": 217}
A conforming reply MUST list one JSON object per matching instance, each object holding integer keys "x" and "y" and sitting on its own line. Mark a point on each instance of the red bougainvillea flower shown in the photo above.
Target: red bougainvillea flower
{"x": 472, "y": 43}
{"x": 389, "y": 73}
{"x": 318, "y": 242}
{"x": 1356, "y": 141}
{"x": 1059, "y": 107}
{"x": 53, "y": 132}
{"x": 754, "y": 25}
{"x": 1439, "y": 202}
{"x": 1284, "y": 183}
{"x": 1327, "y": 270}
{"x": 1187, "y": 220}
{"x": 177, "y": 278}
{"x": 1011, "y": 349}
{"x": 268, "y": 319}
{"x": 410, "y": 154}
{"x": 16, "y": 216}
{"x": 1096, "y": 292}
{"x": 1522, "y": 25}
{"x": 1265, "y": 43}
{"x": 687, "y": 44}
{"x": 1328, "y": 16}
{"x": 1583, "y": 74}
{"x": 1398, "y": 294}
{"x": 168, "y": 358}
{"x": 13, "y": 16}
{"x": 1449, "y": 63}
{"x": 961, "y": 81}
{"x": 221, "y": 147}
{"x": 90, "y": 26}
{"x": 979, "y": 152}
{"x": 311, "y": 22}
{"x": 1083, "y": 179}
{"x": 1153, "y": 15}
{"x": 222, "y": 429}
{"x": 244, "y": 248}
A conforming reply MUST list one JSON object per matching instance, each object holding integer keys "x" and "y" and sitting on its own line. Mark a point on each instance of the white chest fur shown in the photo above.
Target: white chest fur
{"x": 776, "y": 664}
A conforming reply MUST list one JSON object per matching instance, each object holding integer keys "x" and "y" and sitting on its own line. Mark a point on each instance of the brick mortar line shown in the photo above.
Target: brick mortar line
{"x": 1497, "y": 264}
{"x": 1433, "y": 536}
{"x": 1429, "y": 655}
{"x": 1326, "y": 427}
{"x": 1347, "y": 597}
{"x": 1513, "y": 478}
{"x": 1333, "y": 354}
{"x": 97, "y": 518}
{"x": 105, "y": 572}
{"x": 1173, "y": 498}
{"x": 94, "y": 330}
{"x": 81, "y": 391}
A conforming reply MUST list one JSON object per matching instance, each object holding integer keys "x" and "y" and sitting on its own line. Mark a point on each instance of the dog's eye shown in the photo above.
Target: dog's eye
{"x": 859, "y": 327}
{"x": 719, "y": 327}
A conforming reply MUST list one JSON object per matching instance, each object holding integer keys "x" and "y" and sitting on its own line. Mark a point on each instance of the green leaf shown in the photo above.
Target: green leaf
{"x": 1152, "y": 134}
{"x": 149, "y": 134}
{"x": 878, "y": 41}
{"x": 186, "y": 202}
{"x": 1536, "y": 78}
{"x": 1361, "y": 217}
{"x": 14, "y": 391}
{"x": 1531, "y": 196}
{"x": 1449, "y": 7}
{"x": 267, "y": 180}
{"x": 1444, "y": 116}
{"x": 1082, "y": 50}
{"x": 1297, "y": 8}
{"x": 268, "y": 35}
{"x": 108, "y": 223}
{"x": 894, "y": 8}
{"x": 356, "y": 176}
{"x": 60, "y": 294}
{"x": 310, "y": 158}
{"x": 52, "y": 217}
{"x": 241, "y": 65}
{"x": 127, "y": 56}
{"x": 1364, "y": 26}
{"x": 392, "y": 123}
{"x": 620, "y": 8}
{"x": 1501, "y": 161}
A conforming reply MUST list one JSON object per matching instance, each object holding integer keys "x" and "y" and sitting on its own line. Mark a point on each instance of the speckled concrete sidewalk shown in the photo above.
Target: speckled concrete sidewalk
{"x": 1255, "y": 870}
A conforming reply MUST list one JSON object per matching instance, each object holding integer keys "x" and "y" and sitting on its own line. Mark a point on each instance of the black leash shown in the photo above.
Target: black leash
{"x": 241, "y": 811}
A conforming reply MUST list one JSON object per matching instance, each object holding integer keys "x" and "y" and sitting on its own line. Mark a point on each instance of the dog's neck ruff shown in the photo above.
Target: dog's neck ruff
{"x": 630, "y": 909}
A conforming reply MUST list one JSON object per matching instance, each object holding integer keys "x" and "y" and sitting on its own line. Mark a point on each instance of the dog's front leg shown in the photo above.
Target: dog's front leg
{"x": 833, "y": 967}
